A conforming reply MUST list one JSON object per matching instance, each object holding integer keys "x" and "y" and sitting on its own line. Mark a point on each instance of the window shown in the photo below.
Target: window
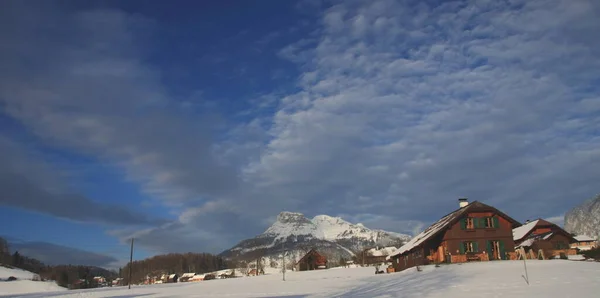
{"x": 469, "y": 246}
{"x": 560, "y": 245}
{"x": 470, "y": 224}
{"x": 489, "y": 222}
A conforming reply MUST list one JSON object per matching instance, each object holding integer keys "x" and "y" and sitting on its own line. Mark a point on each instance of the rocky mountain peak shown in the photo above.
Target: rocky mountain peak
{"x": 585, "y": 218}
{"x": 291, "y": 217}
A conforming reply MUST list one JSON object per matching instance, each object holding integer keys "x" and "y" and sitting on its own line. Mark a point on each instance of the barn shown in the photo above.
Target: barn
{"x": 312, "y": 261}
{"x": 474, "y": 232}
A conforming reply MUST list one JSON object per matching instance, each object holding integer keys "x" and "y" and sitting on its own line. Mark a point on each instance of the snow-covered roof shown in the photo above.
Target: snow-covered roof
{"x": 386, "y": 251}
{"x": 547, "y": 236}
{"x": 584, "y": 238}
{"x": 522, "y": 231}
{"x": 527, "y": 243}
{"x": 430, "y": 231}
{"x": 189, "y": 274}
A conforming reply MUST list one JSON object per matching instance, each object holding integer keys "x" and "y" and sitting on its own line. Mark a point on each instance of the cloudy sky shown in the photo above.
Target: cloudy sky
{"x": 190, "y": 125}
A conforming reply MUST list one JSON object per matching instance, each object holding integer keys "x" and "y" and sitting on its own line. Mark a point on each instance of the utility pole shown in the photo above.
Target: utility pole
{"x": 130, "y": 263}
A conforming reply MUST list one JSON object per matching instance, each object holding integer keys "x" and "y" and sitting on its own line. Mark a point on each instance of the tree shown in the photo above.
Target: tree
{"x": 4, "y": 251}
{"x": 17, "y": 260}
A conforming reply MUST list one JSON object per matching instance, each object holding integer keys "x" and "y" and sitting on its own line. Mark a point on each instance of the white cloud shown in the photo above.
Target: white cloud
{"x": 408, "y": 104}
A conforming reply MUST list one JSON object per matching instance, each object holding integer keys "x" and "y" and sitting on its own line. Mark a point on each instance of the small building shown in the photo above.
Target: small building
{"x": 312, "y": 261}
{"x": 186, "y": 276}
{"x": 171, "y": 278}
{"x": 378, "y": 255}
{"x": 474, "y": 232}
{"x": 584, "y": 243}
{"x": 542, "y": 239}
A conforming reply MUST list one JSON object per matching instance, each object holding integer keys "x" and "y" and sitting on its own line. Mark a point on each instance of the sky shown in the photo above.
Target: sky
{"x": 189, "y": 125}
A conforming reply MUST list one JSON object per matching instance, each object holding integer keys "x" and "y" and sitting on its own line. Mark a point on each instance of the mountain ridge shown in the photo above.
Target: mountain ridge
{"x": 294, "y": 233}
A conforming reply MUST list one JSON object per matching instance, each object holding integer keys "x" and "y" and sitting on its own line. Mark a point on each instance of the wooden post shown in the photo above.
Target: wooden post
{"x": 130, "y": 263}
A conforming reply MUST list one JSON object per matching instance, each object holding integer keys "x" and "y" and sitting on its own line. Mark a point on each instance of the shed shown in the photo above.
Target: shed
{"x": 312, "y": 261}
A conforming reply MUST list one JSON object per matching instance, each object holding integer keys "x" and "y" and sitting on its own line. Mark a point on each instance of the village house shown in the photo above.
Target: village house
{"x": 541, "y": 239}
{"x": 378, "y": 255}
{"x": 584, "y": 243}
{"x": 474, "y": 232}
{"x": 312, "y": 261}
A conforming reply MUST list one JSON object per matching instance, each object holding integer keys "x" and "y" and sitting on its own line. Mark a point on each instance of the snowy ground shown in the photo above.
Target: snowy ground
{"x": 554, "y": 278}
{"x": 24, "y": 283}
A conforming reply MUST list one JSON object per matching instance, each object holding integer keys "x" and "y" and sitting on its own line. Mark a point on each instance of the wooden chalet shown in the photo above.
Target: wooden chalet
{"x": 474, "y": 232}
{"x": 584, "y": 242}
{"x": 541, "y": 239}
{"x": 312, "y": 261}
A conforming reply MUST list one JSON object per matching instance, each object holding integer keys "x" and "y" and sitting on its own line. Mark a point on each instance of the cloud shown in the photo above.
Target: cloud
{"x": 53, "y": 254}
{"x": 411, "y": 105}
{"x": 85, "y": 86}
{"x": 31, "y": 184}
{"x": 415, "y": 106}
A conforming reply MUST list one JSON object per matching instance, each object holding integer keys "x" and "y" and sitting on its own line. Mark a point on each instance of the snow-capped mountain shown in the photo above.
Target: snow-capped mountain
{"x": 585, "y": 218}
{"x": 296, "y": 234}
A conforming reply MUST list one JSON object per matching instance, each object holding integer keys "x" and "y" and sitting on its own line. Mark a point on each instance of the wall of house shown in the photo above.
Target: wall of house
{"x": 412, "y": 259}
{"x": 549, "y": 247}
{"x": 456, "y": 235}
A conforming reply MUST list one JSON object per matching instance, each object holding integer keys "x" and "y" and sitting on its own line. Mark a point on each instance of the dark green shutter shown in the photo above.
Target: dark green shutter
{"x": 496, "y": 222}
{"x": 462, "y": 248}
{"x": 489, "y": 250}
{"x": 502, "y": 252}
{"x": 475, "y": 246}
{"x": 482, "y": 222}
{"x": 463, "y": 223}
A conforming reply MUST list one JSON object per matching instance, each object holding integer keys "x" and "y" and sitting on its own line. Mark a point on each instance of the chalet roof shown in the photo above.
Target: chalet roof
{"x": 522, "y": 231}
{"x": 312, "y": 252}
{"x": 444, "y": 223}
{"x": 584, "y": 238}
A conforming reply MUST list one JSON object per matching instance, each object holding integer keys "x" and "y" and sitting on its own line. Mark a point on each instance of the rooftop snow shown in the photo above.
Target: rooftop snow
{"x": 582, "y": 238}
{"x": 522, "y": 231}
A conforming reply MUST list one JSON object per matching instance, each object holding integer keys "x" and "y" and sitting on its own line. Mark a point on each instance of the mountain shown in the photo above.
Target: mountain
{"x": 296, "y": 234}
{"x": 585, "y": 218}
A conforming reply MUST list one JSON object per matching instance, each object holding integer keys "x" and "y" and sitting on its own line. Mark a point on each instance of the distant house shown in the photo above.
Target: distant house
{"x": 171, "y": 278}
{"x": 584, "y": 242}
{"x": 186, "y": 276}
{"x": 312, "y": 261}
{"x": 378, "y": 255}
{"x": 474, "y": 232}
{"x": 543, "y": 239}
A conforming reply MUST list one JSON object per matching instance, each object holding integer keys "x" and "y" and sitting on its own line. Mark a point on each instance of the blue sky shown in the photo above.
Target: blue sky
{"x": 191, "y": 125}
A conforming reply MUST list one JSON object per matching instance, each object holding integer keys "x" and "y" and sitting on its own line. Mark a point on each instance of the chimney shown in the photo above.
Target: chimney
{"x": 462, "y": 202}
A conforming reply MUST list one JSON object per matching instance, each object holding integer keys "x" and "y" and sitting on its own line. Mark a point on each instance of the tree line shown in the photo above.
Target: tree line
{"x": 68, "y": 276}
{"x": 173, "y": 263}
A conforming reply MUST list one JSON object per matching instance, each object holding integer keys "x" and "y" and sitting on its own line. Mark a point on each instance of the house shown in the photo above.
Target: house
{"x": 543, "y": 239}
{"x": 378, "y": 255}
{"x": 171, "y": 278}
{"x": 186, "y": 276}
{"x": 312, "y": 261}
{"x": 475, "y": 231}
{"x": 584, "y": 242}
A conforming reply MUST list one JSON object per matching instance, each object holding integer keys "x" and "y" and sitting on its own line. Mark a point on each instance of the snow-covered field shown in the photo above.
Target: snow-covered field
{"x": 554, "y": 278}
{"x": 24, "y": 283}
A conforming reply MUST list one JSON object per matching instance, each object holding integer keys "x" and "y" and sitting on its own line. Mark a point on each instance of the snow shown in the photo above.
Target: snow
{"x": 385, "y": 251}
{"x": 24, "y": 283}
{"x": 322, "y": 227}
{"x": 584, "y": 238}
{"x": 549, "y": 278}
{"x": 522, "y": 231}
{"x": 16, "y": 272}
